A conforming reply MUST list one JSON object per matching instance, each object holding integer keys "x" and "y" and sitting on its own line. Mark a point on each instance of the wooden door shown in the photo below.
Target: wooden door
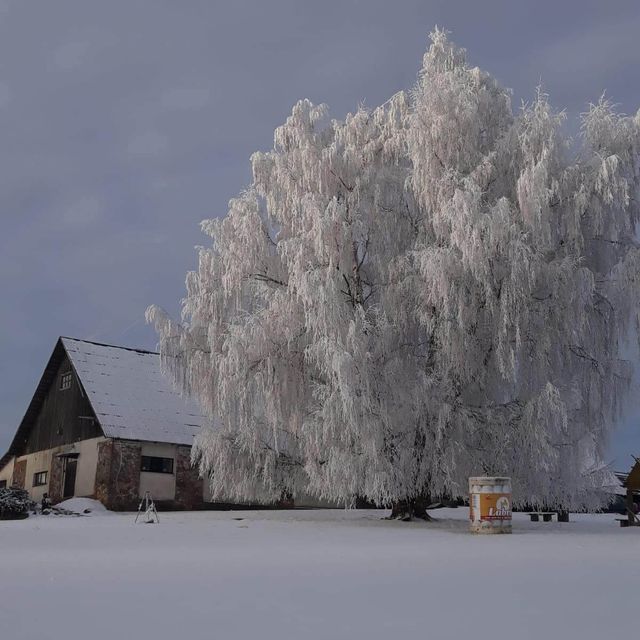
{"x": 70, "y": 478}
{"x": 19, "y": 474}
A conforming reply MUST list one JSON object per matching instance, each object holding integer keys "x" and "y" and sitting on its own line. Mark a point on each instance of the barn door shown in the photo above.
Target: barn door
{"x": 70, "y": 478}
{"x": 19, "y": 474}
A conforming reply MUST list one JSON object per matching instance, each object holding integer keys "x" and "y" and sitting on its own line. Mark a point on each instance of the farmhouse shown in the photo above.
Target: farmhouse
{"x": 104, "y": 422}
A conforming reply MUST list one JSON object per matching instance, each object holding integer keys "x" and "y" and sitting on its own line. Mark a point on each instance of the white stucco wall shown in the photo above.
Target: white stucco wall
{"x": 87, "y": 463}
{"x": 39, "y": 461}
{"x": 6, "y": 473}
{"x": 85, "y": 471}
{"x": 162, "y": 486}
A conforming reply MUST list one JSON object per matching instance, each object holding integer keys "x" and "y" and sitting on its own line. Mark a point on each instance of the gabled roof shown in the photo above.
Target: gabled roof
{"x": 131, "y": 398}
{"x": 37, "y": 400}
{"x": 4, "y": 461}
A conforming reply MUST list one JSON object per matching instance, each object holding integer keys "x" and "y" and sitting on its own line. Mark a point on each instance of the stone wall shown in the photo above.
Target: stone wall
{"x": 118, "y": 478}
{"x": 56, "y": 475}
{"x": 188, "y": 483}
{"x": 118, "y": 474}
{"x": 103, "y": 471}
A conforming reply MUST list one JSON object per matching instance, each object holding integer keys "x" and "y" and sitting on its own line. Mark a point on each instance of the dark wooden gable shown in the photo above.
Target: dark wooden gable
{"x": 633, "y": 479}
{"x": 56, "y": 415}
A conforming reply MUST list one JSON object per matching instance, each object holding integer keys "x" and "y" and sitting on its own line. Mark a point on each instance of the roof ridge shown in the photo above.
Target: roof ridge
{"x": 111, "y": 346}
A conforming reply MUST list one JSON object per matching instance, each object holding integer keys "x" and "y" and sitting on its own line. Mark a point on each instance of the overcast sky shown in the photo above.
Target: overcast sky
{"x": 125, "y": 122}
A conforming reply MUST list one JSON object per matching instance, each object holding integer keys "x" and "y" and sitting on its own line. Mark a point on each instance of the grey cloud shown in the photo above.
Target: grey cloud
{"x": 589, "y": 62}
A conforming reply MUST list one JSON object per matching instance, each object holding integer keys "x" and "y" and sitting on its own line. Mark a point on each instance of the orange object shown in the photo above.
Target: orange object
{"x": 490, "y": 504}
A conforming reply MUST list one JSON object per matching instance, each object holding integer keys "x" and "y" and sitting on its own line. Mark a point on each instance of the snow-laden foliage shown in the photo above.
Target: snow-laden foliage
{"x": 14, "y": 503}
{"x": 432, "y": 289}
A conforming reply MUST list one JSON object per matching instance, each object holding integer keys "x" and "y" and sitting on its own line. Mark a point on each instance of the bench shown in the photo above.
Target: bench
{"x": 547, "y": 516}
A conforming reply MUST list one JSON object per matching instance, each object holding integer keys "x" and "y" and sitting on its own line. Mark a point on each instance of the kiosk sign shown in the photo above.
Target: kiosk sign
{"x": 490, "y": 505}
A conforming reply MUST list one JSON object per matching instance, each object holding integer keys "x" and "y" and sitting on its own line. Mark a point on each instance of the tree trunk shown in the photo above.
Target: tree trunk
{"x": 411, "y": 508}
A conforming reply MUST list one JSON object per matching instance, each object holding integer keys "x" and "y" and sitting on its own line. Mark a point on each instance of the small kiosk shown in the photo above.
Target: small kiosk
{"x": 490, "y": 504}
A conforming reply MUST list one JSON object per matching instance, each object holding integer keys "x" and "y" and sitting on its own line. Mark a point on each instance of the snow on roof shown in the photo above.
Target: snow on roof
{"x": 131, "y": 397}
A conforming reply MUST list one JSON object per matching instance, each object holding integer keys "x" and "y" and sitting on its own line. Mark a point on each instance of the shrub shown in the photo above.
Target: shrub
{"x": 14, "y": 503}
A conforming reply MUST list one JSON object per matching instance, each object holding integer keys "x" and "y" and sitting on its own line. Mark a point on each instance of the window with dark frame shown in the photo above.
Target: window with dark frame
{"x": 65, "y": 381}
{"x": 39, "y": 478}
{"x": 154, "y": 464}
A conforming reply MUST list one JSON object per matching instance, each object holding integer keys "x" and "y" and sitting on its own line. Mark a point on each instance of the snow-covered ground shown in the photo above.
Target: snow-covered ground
{"x": 307, "y": 575}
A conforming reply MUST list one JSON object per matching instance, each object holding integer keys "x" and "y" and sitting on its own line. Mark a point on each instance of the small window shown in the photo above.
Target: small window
{"x": 153, "y": 464}
{"x": 3, "y": 484}
{"x": 39, "y": 479}
{"x": 65, "y": 381}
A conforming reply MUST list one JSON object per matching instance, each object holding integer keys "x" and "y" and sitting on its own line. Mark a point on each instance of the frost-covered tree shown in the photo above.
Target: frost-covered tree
{"x": 429, "y": 290}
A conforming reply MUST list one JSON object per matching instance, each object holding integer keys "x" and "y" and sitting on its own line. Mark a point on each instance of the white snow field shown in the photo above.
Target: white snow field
{"x": 320, "y": 574}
